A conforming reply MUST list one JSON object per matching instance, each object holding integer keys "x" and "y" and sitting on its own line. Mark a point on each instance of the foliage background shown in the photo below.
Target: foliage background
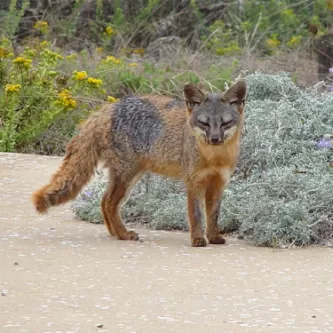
{"x": 138, "y": 47}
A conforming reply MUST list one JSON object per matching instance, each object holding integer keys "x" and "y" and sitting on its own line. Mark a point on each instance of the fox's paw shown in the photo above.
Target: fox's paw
{"x": 129, "y": 235}
{"x": 216, "y": 239}
{"x": 40, "y": 202}
{"x": 199, "y": 242}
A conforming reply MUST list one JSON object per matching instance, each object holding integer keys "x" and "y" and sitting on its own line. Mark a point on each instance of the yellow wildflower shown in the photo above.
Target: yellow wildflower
{"x": 39, "y": 24}
{"x": 3, "y": 53}
{"x": 112, "y": 59}
{"x": 295, "y": 40}
{"x": 272, "y": 43}
{"x": 79, "y": 76}
{"x": 71, "y": 103}
{"x": 65, "y": 93}
{"x": 45, "y": 43}
{"x": 66, "y": 99}
{"x": 21, "y": 61}
{"x": 12, "y": 87}
{"x": 140, "y": 51}
{"x": 133, "y": 64}
{"x": 112, "y": 99}
{"x": 99, "y": 50}
{"x": 94, "y": 82}
{"x": 42, "y": 26}
{"x": 109, "y": 31}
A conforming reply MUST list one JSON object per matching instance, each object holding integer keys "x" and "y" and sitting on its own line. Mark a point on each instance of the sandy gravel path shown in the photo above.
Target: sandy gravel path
{"x": 62, "y": 275}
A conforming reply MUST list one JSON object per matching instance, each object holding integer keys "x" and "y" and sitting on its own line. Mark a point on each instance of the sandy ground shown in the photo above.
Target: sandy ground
{"x": 62, "y": 275}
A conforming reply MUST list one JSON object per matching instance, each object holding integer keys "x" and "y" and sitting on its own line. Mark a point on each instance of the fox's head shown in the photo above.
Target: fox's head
{"x": 215, "y": 118}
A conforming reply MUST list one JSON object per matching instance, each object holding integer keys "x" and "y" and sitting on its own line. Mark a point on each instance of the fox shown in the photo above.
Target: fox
{"x": 195, "y": 139}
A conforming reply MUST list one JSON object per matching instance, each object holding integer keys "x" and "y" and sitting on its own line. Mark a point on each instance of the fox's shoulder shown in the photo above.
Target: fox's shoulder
{"x": 166, "y": 103}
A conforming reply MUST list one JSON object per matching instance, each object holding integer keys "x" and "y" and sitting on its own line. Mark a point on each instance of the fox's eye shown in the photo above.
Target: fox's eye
{"x": 203, "y": 123}
{"x": 226, "y": 123}
{"x": 191, "y": 105}
{"x": 238, "y": 102}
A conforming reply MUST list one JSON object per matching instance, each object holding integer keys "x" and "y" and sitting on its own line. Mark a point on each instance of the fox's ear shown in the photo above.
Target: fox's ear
{"x": 193, "y": 95}
{"x": 236, "y": 94}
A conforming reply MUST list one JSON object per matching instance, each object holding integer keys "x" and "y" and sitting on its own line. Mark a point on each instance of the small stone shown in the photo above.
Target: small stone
{"x": 314, "y": 316}
{"x": 16, "y": 263}
{"x": 3, "y": 293}
{"x": 99, "y": 326}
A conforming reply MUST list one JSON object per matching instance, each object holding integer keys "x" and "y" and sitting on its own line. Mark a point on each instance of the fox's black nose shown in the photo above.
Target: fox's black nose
{"x": 215, "y": 140}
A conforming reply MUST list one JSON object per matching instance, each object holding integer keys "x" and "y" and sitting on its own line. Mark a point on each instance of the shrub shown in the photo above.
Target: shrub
{"x": 35, "y": 94}
{"x": 281, "y": 192}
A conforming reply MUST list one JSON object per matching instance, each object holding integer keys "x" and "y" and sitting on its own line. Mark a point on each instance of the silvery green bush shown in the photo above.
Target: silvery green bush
{"x": 281, "y": 192}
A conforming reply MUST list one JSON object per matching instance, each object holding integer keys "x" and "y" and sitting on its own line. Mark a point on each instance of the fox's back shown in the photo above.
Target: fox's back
{"x": 140, "y": 122}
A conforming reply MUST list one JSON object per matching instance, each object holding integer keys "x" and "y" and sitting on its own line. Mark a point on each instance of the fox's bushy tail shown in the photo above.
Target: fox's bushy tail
{"x": 81, "y": 158}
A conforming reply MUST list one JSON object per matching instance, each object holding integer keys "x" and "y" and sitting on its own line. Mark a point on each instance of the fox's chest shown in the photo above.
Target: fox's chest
{"x": 214, "y": 164}
{"x": 222, "y": 174}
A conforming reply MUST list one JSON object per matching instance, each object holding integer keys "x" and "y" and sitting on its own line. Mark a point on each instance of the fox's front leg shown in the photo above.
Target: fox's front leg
{"x": 213, "y": 197}
{"x": 195, "y": 215}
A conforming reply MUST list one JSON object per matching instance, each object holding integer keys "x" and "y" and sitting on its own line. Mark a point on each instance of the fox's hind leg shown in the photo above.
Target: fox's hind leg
{"x": 107, "y": 222}
{"x": 213, "y": 197}
{"x": 118, "y": 189}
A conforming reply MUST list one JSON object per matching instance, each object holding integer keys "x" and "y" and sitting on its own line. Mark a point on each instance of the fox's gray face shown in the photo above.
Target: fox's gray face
{"x": 215, "y": 118}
